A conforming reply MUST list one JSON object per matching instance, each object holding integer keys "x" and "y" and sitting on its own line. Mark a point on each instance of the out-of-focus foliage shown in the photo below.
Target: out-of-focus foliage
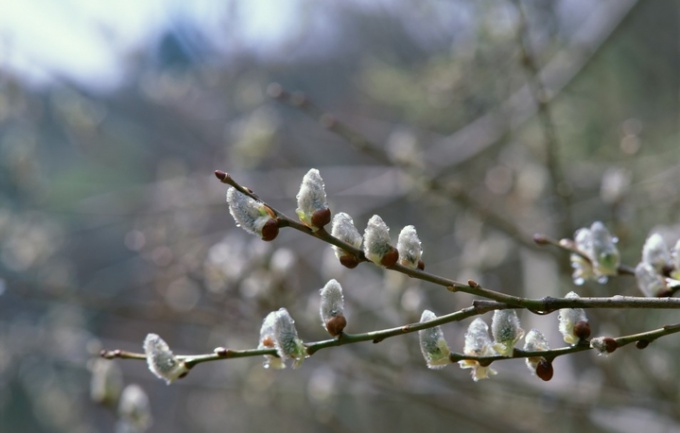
{"x": 112, "y": 226}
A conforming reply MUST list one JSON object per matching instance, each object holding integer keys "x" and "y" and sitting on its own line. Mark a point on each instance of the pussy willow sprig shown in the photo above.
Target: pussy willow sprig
{"x": 603, "y": 345}
{"x": 220, "y": 353}
{"x": 569, "y": 245}
{"x": 657, "y": 274}
{"x": 279, "y": 339}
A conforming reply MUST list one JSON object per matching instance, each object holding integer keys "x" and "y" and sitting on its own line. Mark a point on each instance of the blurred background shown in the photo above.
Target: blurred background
{"x": 113, "y": 116}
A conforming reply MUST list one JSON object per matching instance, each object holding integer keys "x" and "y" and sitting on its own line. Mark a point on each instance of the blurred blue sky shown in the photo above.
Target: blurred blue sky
{"x": 93, "y": 42}
{"x": 85, "y": 40}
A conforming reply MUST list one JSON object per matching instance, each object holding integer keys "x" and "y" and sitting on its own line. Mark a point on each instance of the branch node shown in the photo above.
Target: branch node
{"x": 541, "y": 239}
{"x": 642, "y": 344}
{"x": 221, "y": 352}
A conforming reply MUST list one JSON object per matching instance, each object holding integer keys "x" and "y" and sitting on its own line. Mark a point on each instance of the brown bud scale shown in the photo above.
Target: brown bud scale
{"x": 540, "y": 239}
{"x": 582, "y": 330}
{"x": 610, "y": 344}
{"x": 421, "y": 265}
{"x": 270, "y": 230}
{"x": 220, "y": 351}
{"x": 665, "y": 293}
{"x": 270, "y": 211}
{"x": 268, "y": 341}
{"x": 335, "y": 325}
{"x": 390, "y": 258}
{"x": 349, "y": 261}
{"x": 321, "y": 217}
{"x": 666, "y": 270}
{"x": 641, "y": 344}
{"x": 544, "y": 369}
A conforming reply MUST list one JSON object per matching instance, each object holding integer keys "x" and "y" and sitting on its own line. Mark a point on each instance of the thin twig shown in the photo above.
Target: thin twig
{"x": 538, "y": 306}
{"x": 361, "y": 143}
{"x": 559, "y": 182}
{"x": 570, "y": 246}
{"x": 377, "y": 336}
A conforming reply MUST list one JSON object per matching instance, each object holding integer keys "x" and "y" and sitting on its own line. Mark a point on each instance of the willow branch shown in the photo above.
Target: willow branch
{"x": 642, "y": 340}
{"x": 538, "y": 306}
{"x": 545, "y": 118}
{"x": 569, "y": 246}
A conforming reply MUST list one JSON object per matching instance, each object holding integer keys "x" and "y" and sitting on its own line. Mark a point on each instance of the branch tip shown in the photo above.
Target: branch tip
{"x": 221, "y": 352}
{"x": 541, "y": 239}
{"x": 222, "y": 176}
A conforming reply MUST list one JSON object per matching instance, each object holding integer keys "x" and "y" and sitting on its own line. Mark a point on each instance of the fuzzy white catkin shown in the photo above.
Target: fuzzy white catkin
{"x": 603, "y": 345}
{"x": 535, "y": 341}
{"x": 583, "y": 269}
{"x": 477, "y": 340}
{"x": 568, "y": 318}
{"x": 376, "y": 239}
{"x": 311, "y": 196}
{"x": 433, "y": 345}
{"x": 605, "y": 255}
{"x": 249, "y": 214}
{"x": 134, "y": 408}
{"x": 409, "y": 247}
{"x": 343, "y": 228}
{"x": 161, "y": 360}
{"x": 288, "y": 344}
{"x": 332, "y": 301}
{"x": 478, "y": 343}
{"x": 650, "y": 282}
{"x": 584, "y": 240}
{"x": 267, "y": 341}
{"x": 675, "y": 257}
{"x": 506, "y": 331}
{"x": 106, "y": 383}
{"x": 655, "y": 252}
